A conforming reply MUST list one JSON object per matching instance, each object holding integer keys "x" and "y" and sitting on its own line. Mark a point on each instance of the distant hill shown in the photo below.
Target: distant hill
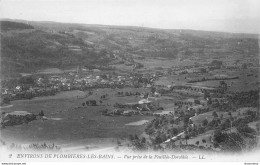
{"x": 8, "y": 25}
{"x": 28, "y": 51}
{"x": 28, "y": 45}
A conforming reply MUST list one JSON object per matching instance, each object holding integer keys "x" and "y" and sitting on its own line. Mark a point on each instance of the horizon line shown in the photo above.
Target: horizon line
{"x": 133, "y": 26}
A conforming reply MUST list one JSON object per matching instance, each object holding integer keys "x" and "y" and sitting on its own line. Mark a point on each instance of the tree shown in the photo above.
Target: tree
{"x": 103, "y": 76}
{"x": 163, "y": 137}
{"x": 217, "y": 64}
{"x": 201, "y": 130}
{"x": 244, "y": 66}
{"x": 5, "y": 100}
{"x": 93, "y": 102}
{"x": 45, "y": 81}
{"x": 27, "y": 80}
{"x": 209, "y": 101}
{"x": 214, "y": 114}
{"x": 172, "y": 121}
{"x": 196, "y": 101}
{"x": 186, "y": 138}
{"x": 138, "y": 145}
{"x": 226, "y": 124}
{"x": 206, "y": 94}
{"x": 153, "y": 89}
{"x": 156, "y": 123}
{"x": 157, "y": 140}
{"x": 174, "y": 131}
{"x": 186, "y": 120}
{"x": 83, "y": 82}
{"x": 258, "y": 127}
{"x": 246, "y": 131}
{"x": 223, "y": 86}
{"x": 118, "y": 142}
{"x": 146, "y": 95}
{"x": 197, "y": 143}
{"x": 205, "y": 122}
{"x": 143, "y": 140}
{"x": 105, "y": 111}
{"x": 41, "y": 113}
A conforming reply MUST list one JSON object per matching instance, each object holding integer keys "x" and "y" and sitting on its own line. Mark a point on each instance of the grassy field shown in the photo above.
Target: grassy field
{"x": 68, "y": 124}
{"x": 162, "y": 63}
{"x": 248, "y": 80}
{"x": 208, "y": 115}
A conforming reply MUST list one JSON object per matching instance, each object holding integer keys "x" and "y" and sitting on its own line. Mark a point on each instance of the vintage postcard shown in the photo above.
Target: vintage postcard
{"x": 129, "y": 80}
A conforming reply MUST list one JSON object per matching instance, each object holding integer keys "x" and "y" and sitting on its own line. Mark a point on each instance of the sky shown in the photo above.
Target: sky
{"x": 238, "y": 16}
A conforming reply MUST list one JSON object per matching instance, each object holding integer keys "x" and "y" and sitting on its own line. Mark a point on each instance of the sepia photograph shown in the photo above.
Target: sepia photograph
{"x": 129, "y": 81}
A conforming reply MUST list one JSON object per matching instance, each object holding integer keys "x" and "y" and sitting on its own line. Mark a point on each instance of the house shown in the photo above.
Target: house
{"x": 18, "y": 88}
{"x": 156, "y": 94}
{"x": 144, "y": 101}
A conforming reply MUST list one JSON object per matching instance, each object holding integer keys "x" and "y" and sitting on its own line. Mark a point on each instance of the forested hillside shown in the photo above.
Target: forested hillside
{"x": 28, "y": 46}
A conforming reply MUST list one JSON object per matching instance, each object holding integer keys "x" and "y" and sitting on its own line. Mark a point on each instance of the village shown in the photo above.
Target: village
{"x": 30, "y": 86}
{"x": 178, "y": 112}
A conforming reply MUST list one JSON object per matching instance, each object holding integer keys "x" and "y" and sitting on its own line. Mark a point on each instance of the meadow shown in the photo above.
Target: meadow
{"x": 69, "y": 122}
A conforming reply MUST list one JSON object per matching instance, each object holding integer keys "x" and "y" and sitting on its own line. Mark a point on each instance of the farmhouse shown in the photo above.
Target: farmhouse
{"x": 144, "y": 101}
